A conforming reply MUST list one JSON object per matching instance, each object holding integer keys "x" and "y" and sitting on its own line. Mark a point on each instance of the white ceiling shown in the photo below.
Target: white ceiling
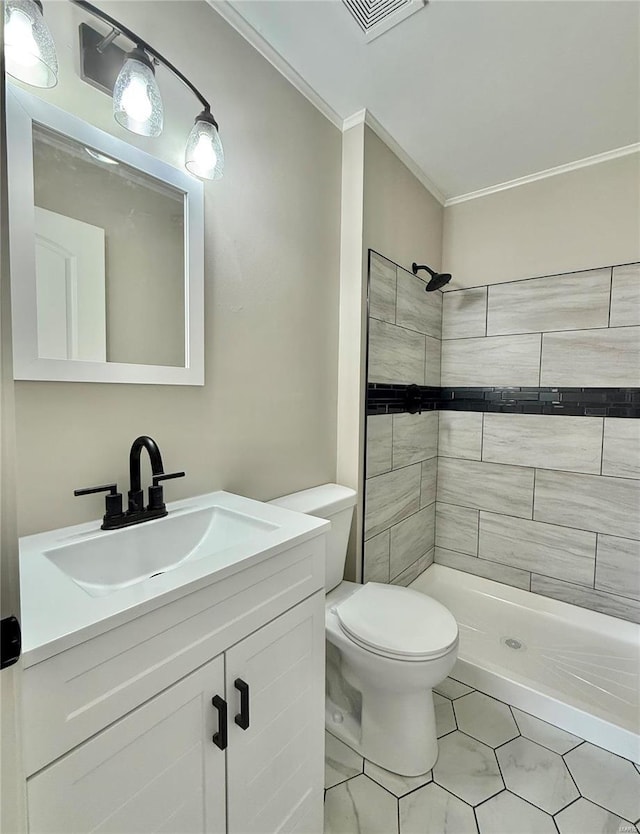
{"x": 476, "y": 92}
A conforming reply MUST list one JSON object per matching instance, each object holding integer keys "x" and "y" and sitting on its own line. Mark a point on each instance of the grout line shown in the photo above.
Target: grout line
{"x": 540, "y": 366}
{"x": 610, "y": 297}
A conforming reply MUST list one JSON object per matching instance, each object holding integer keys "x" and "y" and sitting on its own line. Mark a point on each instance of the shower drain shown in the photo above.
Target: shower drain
{"x": 513, "y": 643}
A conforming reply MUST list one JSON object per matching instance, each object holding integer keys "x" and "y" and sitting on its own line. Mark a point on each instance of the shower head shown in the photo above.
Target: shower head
{"x": 438, "y": 279}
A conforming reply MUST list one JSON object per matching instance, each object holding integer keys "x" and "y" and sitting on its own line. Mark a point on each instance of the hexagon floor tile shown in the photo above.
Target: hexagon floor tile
{"x": 340, "y": 761}
{"x": 432, "y": 810}
{"x": 583, "y": 817}
{"x": 606, "y": 779}
{"x": 398, "y": 785}
{"x": 445, "y": 720}
{"x": 560, "y": 741}
{"x": 467, "y": 768}
{"x": 484, "y": 718}
{"x": 508, "y": 814}
{"x": 536, "y": 774}
{"x": 452, "y": 689}
{"x": 361, "y": 806}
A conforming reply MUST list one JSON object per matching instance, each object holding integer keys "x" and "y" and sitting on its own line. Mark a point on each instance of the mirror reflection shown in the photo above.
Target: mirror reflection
{"x": 110, "y": 257}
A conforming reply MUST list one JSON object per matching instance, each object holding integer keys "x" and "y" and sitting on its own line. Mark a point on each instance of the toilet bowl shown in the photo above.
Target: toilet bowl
{"x": 387, "y": 647}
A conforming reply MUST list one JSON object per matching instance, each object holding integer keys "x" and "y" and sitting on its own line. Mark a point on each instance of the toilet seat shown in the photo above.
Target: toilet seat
{"x": 397, "y": 622}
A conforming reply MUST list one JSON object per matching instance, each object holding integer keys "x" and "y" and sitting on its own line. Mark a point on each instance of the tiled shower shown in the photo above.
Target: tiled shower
{"x": 525, "y": 465}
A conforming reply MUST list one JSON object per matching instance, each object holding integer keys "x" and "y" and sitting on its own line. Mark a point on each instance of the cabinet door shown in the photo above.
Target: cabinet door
{"x": 275, "y": 767}
{"x": 156, "y": 770}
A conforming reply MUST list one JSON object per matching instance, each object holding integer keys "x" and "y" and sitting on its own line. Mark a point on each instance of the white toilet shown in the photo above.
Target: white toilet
{"x": 391, "y": 645}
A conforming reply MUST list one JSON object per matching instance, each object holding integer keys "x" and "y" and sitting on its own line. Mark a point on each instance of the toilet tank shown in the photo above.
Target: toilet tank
{"x": 332, "y": 502}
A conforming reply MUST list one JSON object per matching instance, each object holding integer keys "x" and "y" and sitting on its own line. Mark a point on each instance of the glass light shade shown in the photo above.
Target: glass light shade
{"x": 204, "y": 156}
{"x": 30, "y": 53}
{"x": 137, "y": 104}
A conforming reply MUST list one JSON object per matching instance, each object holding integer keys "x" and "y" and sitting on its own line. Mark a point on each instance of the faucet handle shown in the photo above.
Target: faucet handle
{"x": 156, "y": 499}
{"x": 113, "y": 501}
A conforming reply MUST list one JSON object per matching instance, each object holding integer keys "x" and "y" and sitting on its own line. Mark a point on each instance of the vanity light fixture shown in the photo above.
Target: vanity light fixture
{"x": 30, "y": 53}
{"x": 128, "y": 77}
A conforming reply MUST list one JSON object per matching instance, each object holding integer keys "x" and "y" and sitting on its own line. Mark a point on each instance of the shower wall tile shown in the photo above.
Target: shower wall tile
{"x": 382, "y": 288}
{"x": 551, "y": 550}
{"x": 415, "y": 437}
{"x": 618, "y": 566}
{"x": 395, "y": 354}
{"x": 495, "y": 360}
{"x": 625, "y": 296}
{"x": 432, "y": 361}
{"x": 457, "y": 528}
{"x": 610, "y": 604}
{"x": 428, "y": 482}
{"x": 379, "y": 432}
{"x": 460, "y": 434}
{"x": 376, "y": 558}
{"x": 413, "y": 571}
{"x": 621, "y": 450}
{"x": 560, "y": 302}
{"x": 417, "y": 309}
{"x": 588, "y": 502}
{"x": 390, "y": 498}
{"x": 464, "y": 313}
{"x": 482, "y": 567}
{"x": 411, "y": 539}
{"x": 608, "y": 357}
{"x": 486, "y": 486}
{"x": 572, "y": 443}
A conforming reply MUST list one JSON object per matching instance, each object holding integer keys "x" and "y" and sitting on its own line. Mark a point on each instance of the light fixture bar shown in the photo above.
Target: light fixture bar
{"x": 138, "y": 41}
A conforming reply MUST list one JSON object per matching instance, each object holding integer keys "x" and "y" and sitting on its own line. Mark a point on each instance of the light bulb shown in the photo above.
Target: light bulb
{"x": 204, "y": 156}
{"x": 137, "y": 104}
{"x": 30, "y": 53}
{"x": 136, "y": 101}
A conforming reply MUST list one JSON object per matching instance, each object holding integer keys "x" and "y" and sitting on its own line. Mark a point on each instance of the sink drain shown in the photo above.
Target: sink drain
{"x": 513, "y": 643}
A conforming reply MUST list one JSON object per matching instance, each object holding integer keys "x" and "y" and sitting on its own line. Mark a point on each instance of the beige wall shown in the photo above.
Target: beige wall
{"x": 583, "y": 219}
{"x": 265, "y": 422}
{"x": 402, "y": 220}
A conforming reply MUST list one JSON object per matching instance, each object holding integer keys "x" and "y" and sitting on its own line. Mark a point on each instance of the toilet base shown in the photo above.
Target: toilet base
{"x": 403, "y": 742}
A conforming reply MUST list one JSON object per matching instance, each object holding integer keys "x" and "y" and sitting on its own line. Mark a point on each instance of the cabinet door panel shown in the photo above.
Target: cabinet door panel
{"x": 275, "y": 767}
{"x": 156, "y": 770}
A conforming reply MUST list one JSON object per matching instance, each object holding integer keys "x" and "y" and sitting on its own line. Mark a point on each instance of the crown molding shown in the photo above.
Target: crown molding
{"x": 370, "y": 120}
{"x": 549, "y": 172}
{"x": 244, "y": 28}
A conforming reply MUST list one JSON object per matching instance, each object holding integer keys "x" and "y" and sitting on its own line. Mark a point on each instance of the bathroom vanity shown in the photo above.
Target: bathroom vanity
{"x": 191, "y": 700}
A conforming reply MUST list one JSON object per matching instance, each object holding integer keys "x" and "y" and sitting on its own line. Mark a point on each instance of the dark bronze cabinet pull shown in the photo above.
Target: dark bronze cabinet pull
{"x": 220, "y": 738}
{"x": 242, "y": 718}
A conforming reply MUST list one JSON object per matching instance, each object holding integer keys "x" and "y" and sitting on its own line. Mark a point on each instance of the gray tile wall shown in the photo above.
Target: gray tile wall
{"x": 550, "y": 504}
{"x": 546, "y": 503}
{"x": 405, "y": 327}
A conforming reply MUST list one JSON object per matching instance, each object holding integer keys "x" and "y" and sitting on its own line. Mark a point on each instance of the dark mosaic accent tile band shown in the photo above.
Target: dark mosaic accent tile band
{"x": 383, "y": 398}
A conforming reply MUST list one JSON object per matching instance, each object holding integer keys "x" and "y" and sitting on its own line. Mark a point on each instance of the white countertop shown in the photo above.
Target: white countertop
{"x": 57, "y": 613}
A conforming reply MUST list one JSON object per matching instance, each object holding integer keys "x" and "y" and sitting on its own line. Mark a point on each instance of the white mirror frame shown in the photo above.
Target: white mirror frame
{"x": 23, "y": 110}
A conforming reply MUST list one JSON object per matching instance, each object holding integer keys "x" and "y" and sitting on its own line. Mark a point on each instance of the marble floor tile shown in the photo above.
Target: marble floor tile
{"x": 452, "y": 689}
{"x": 506, "y": 813}
{"x": 583, "y": 817}
{"x": 467, "y": 768}
{"x": 445, "y": 719}
{"x": 360, "y": 806}
{"x": 560, "y": 741}
{"x": 398, "y": 785}
{"x": 536, "y": 774}
{"x": 486, "y": 719}
{"x": 432, "y": 810}
{"x": 606, "y": 779}
{"x": 340, "y": 761}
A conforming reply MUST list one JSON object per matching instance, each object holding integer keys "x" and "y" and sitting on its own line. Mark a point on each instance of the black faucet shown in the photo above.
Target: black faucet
{"x": 136, "y": 512}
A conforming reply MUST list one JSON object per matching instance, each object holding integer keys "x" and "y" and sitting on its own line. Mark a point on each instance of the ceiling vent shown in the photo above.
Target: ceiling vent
{"x": 375, "y": 17}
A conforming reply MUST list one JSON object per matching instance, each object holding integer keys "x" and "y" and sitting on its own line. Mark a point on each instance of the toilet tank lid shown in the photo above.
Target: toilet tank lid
{"x": 323, "y": 501}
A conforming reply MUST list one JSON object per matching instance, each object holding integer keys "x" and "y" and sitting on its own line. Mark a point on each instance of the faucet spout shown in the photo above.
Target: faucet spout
{"x": 136, "y": 497}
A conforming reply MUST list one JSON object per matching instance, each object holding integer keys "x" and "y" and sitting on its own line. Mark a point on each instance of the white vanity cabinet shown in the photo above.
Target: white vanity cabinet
{"x": 156, "y": 768}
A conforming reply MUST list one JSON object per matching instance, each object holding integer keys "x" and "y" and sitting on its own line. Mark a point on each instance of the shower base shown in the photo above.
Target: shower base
{"x": 572, "y": 667}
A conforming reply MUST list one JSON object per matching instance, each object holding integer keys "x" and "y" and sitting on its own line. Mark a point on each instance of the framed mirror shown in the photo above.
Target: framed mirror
{"x": 107, "y": 254}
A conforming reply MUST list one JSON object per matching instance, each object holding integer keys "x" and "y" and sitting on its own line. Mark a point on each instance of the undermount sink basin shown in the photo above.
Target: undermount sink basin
{"x": 110, "y": 561}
